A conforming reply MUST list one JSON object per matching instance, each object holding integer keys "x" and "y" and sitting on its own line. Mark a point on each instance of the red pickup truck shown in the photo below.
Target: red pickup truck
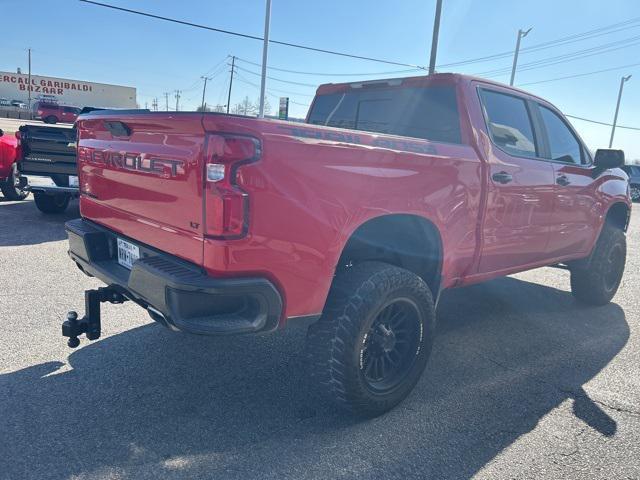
{"x": 10, "y": 180}
{"x": 354, "y": 222}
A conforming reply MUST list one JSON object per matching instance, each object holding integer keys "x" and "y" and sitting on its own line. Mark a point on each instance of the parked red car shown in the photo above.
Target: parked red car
{"x": 53, "y": 113}
{"x": 394, "y": 191}
{"x": 10, "y": 184}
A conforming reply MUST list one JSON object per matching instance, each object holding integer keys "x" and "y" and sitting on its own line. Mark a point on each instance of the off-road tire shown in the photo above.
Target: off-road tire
{"x": 51, "y": 204}
{"x": 335, "y": 343}
{"x": 597, "y": 283}
{"x": 10, "y": 189}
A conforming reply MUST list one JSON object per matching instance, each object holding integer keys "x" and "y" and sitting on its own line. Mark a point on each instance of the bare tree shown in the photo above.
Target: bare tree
{"x": 248, "y": 107}
{"x": 267, "y": 105}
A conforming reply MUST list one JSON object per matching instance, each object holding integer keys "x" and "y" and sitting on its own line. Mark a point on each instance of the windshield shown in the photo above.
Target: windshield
{"x": 425, "y": 112}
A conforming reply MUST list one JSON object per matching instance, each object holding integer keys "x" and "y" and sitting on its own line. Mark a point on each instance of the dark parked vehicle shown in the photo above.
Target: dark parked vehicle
{"x": 634, "y": 180}
{"x": 49, "y": 152}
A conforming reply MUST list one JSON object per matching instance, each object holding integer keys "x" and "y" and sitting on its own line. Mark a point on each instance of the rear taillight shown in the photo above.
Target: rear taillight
{"x": 40, "y": 112}
{"x": 84, "y": 154}
{"x": 18, "y": 145}
{"x": 226, "y": 210}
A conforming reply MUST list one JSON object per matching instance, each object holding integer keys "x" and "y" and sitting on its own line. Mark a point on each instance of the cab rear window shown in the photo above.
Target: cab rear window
{"x": 430, "y": 113}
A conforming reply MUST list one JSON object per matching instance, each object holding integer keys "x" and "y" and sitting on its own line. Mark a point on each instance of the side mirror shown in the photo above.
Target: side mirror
{"x": 606, "y": 158}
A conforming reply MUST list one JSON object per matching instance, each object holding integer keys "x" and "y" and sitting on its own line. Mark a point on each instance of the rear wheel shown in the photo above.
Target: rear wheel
{"x": 51, "y": 119}
{"x": 635, "y": 193}
{"x": 51, "y": 204}
{"x": 11, "y": 189}
{"x": 597, "y": 283}
{"x": 371, "y": 345}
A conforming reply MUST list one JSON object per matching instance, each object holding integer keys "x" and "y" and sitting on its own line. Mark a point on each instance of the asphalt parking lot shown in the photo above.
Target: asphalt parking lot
{"x": 522, "y": 383}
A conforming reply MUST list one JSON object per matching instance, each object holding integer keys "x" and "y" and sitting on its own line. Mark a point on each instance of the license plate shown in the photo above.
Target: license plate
{"x": 127, "y": 253}
{"x": 37, "y": 181}
{"x": 73, "y": 181}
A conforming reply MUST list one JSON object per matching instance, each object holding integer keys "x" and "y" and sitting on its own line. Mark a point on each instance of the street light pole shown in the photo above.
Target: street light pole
{"x": 434, "y": 40}
{"x": 29, "y": 85}
{"x": 265, "y": 48}
{"x": 623, "y": 80}
{"x": 521, "y": 35}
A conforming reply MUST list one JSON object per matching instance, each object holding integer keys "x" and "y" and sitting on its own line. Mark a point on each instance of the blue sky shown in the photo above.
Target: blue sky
{"x": 85, "y": 42}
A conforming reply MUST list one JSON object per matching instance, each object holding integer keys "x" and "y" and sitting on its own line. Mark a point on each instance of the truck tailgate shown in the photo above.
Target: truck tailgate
{"x": 142, "y": 176}
{"x": 48, "y": 150}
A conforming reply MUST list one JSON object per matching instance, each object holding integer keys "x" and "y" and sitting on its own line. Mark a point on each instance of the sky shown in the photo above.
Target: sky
{"x": 76, "y": 40}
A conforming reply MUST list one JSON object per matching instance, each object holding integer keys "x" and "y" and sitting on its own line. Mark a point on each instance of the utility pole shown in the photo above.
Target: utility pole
{"x": 178, "y": 92}
{"x": 233, "y": 64}
{"x": 265, "y": 49}
{"x": 204, "y": 89}
{"x": 166, "y": 100}
{"x": 521, "y": 35}
{"x": 623, "y": 80}
{"x": 154, "y": 104}
{"x": 29, "y": 85}
{"x": 434, "y": 40}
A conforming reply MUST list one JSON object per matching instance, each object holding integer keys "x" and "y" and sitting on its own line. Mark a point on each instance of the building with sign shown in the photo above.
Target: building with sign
{"x": 64, "y": 91}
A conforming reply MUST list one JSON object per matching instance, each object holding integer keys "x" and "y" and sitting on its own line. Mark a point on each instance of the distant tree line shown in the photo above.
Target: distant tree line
{"x": 245, "y": 107}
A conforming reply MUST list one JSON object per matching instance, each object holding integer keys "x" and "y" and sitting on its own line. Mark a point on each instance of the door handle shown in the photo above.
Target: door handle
{"x": 502, "y": 177}
{"x": 562, "y": 180}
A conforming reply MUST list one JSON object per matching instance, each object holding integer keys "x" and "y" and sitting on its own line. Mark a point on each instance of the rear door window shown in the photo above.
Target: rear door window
{"x": 563, "y": 144}
{"x": 509, "y": 123}
{"x": 429, "y": 112}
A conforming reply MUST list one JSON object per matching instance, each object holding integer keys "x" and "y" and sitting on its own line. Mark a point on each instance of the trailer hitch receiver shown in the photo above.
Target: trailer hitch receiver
{"x": 73, "y": 327}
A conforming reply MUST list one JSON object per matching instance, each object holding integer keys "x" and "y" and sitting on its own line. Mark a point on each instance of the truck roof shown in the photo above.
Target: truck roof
{"x": 416, "y": 81}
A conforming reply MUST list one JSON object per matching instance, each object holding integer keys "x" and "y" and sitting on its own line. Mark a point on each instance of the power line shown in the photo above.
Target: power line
{"x": 248, "y": 82}
{"x": 598, "y": 32}
{"x": 326, "y": 74}
{"x": 297, "y": 94}
{"x": 278, "y": 79}
{"x": 196, "y": 84}
{"x": 601, "y": 123}
{"x": 577, "y": 55}
{"x": 580, "y": 74}
{"x": 251, "y": 37}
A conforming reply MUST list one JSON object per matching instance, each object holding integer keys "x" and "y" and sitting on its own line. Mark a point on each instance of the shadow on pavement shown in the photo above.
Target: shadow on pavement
{"x": 23, "y": 224}
{"x": 150, "y": 402}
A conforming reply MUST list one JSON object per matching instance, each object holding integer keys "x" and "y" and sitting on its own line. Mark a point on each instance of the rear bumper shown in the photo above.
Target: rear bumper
{"x": 45, "y": 185}
{"x": 176, "y": 293}
{"x": 74, "y": 192}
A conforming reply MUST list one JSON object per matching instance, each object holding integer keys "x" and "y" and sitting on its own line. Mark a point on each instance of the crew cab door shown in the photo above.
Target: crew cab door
{"x": 576, "y": 215}
{"x": 520, "y": 186}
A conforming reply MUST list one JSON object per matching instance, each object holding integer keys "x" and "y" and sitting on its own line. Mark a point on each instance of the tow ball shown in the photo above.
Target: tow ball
{"x": 73, "y": 327}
